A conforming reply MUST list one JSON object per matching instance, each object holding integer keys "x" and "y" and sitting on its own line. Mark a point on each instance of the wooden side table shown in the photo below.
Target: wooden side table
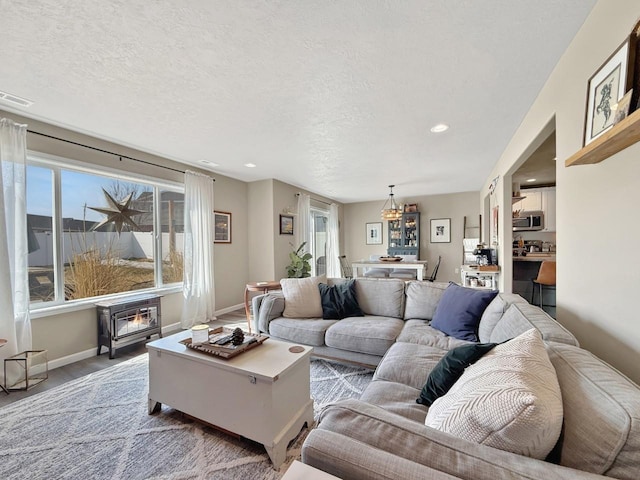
{"x": 3, "y": 342}
{"x": 262, "y": 287}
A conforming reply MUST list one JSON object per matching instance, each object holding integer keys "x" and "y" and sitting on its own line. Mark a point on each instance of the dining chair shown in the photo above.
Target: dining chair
{"x": 546, "y": 279}
{"x": 375, "y": 272}
{"x": 432, "y": 277}
{"x": 402, "y": 273}
{"x": 345, "y": 267}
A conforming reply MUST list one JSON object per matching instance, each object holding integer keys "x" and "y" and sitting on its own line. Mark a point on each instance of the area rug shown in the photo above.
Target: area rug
{"x": 97, "y": 427}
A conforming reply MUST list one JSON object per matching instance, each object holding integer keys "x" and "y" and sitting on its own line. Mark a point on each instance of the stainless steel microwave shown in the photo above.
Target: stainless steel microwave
{"x": 531, "y": 220}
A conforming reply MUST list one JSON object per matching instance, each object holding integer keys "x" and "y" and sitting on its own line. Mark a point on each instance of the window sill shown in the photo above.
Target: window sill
{"x": 88, "y": 303}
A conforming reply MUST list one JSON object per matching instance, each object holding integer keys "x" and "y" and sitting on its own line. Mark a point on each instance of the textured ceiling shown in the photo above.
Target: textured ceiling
{"x": 333, "y": 96}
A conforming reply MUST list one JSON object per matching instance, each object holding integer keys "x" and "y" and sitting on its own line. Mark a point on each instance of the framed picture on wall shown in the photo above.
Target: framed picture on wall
{"x": 440, "y": 230}
{"x": 286, "y": 224}
{"x": 606, "y": 87}
{"x": 374, "y": 233}
{"x": 222, "y": 222}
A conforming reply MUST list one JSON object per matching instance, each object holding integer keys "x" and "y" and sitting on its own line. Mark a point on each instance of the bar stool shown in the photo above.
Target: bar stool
{"x": 546, "y": 279}
{"x": 3, "y": 342}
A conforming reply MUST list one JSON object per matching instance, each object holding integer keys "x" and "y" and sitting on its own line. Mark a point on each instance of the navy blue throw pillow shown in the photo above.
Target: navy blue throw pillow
{"x": 459, "y": 311}
{"x": 449, "y": 369}
{"x": 339, "y": 301}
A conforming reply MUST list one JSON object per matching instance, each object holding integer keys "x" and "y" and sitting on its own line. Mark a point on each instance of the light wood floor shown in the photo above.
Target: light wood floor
{"x": 79, "y": 369}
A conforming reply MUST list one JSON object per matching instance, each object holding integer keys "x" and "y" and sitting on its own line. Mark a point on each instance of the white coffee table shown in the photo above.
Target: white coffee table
{"x": 262, "y": 394}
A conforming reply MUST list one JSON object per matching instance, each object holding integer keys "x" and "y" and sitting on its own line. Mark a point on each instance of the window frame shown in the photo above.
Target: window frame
{"x": 57, "y": 164}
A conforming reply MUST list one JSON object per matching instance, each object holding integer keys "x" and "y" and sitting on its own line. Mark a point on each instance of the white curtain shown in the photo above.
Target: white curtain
{"x": 333, "y": 243}
{"x": 199, "y": 303}
{"x": 302, "y": 224}
{"x": 15, "y": 324}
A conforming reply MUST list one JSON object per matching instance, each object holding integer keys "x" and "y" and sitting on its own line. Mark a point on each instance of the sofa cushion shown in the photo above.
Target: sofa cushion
{"x": 394, "y": 365}
{"x": 422, "y": 299}
{"x": 339, "y": 301}
{"x": 601, "y": 431}
{"x": 310, "y": 332}
{"x": 521, "y": 317}
{"x": 459, "y": 311}
{"x": 271, "y": 307}
{"x": 395, "y": 397}
{"x": 419, "y": 331}
{"x": 493, "y": 313}
{"x": 370, "y": 334}
{"x": 449, "y": 369}
{"x": 302, "y": 297}
{"x": 509, "y": 399}
{"x": 381, "y": 297}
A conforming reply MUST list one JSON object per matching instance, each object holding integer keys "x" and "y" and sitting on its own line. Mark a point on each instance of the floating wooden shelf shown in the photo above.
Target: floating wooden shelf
{"x": 617, "y": 138}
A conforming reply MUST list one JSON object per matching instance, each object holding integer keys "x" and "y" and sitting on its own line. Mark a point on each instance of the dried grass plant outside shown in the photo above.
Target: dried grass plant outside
{"x": 172, "y": 267}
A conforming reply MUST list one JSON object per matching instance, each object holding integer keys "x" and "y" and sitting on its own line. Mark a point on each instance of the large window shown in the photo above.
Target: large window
{"x": 91, "y": 234}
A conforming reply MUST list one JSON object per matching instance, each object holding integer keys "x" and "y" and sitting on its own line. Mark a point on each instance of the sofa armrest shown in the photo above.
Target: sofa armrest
{"x": 414, "y": 442}
{"x": 265, "y": 308}
{"x": 345, "y": 457}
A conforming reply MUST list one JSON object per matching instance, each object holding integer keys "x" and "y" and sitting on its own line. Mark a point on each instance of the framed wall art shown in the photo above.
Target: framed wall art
{"x": 606, "y": 87}
{"x": 222, "y": 222}
{"x": 440, "y": 230}
{"x": 374, "y": 233}
{"x": 286, "y": 224}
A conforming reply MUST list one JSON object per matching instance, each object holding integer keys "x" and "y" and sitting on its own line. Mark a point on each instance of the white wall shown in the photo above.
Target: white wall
{"x": 454, "y": 206}
{"x": 598, "y": 272}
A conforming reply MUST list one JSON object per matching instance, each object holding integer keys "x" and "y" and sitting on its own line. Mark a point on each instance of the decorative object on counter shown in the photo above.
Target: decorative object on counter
{"x": 606, "y": 87}
{"x": 373, "y": 233}
{"x": 237, "y": 336}
{"x": 286, "y": 224}
{"x": 299, "y": 266}
{"x": 440, "y": 230}
{"x": 393, "y": 212}
{"x": 222, "y": 222}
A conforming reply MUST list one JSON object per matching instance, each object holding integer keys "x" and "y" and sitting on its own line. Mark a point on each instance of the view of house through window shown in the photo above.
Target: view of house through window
{"x": 106, "y": 242}
{"x": 319, "y": 219}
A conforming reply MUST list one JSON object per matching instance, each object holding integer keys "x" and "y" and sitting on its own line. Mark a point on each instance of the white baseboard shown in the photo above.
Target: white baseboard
{"x": 92, "y": 352}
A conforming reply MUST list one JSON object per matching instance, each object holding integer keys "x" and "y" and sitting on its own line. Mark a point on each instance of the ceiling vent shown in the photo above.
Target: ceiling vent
{"x": 22, "y": 102}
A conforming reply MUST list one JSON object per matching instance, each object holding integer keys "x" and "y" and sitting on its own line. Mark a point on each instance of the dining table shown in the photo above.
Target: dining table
{"x": 420, "y": 266}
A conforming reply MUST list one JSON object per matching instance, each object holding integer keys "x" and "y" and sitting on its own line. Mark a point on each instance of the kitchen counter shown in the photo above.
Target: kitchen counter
{"x": 535, "y": 258}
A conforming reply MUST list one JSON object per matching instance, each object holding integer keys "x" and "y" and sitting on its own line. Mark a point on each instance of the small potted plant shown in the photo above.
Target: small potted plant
{"x": 299, "y": 266}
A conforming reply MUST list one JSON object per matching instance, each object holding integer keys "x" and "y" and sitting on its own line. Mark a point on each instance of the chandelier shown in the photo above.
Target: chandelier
{"x": 393, "y": 212}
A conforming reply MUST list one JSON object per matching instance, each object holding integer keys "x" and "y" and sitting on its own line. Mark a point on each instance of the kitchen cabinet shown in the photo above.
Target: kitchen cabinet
{"x": 543, "y": 199}
{"x": 404, "y": 235}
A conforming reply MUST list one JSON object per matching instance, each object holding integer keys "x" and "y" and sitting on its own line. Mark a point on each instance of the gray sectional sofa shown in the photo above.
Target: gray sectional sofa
{"x": 382, "y": 435}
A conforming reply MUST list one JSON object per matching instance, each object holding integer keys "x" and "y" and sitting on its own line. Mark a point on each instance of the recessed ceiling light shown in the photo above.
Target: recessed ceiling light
{"x": 23, "y": 102}
{"x": 250, "y": 165}
{"x": 207, "y": 162}
{"x": 439, "y": 128}
{"x": 531, "y": 180}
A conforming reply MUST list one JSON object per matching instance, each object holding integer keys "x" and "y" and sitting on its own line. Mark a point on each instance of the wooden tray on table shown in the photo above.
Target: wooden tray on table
{"x": 228, "y": 350}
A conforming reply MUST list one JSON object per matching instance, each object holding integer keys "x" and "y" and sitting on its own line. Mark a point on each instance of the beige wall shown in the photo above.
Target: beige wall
{"x": 74, "y": 332}
{"x": 598, "y": 269}
{"x": 454, "y": 206}
{"x": 271, "y": 198}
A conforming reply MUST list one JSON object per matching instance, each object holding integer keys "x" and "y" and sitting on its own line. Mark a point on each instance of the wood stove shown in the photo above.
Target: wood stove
{"x": 127, "y": 320}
